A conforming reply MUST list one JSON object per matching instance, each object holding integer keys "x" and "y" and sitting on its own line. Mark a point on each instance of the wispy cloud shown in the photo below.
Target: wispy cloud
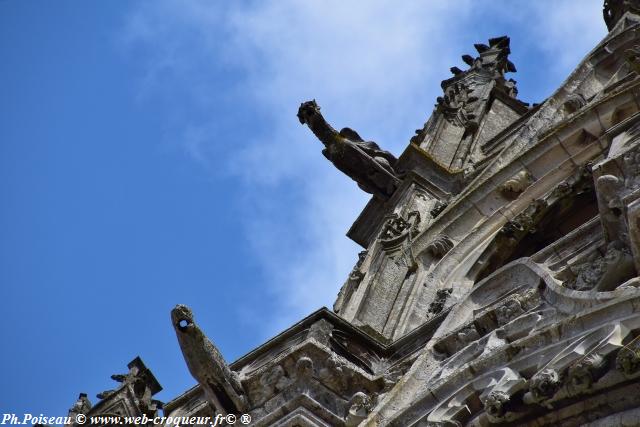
{"x": 567, "y": 29}
{"x": 373, "y": 66}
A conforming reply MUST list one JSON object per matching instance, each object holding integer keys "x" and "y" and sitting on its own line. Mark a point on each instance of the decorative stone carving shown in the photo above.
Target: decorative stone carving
{"x": 580, "y": 182}
{"x": 440, "y": 246}
{"x": 585, "y": 372}
{"x": 396, "y": 236}
{"x": 628, "y": 359}
{"x": 396, "y": 226}
{"x": 321, "y": 332}
{"x": 438, "y": 304}
{"x": 205, "y": 362}
{"x": 271, "y": 382}
{"x": 579, "y": 364}
{"x": 493, "y": 57}
{"x": 526, "y": 221}
{"x": 360, "y": 406}
{"x": 437, "y": 209}
{"x": 142, "y": 384}
{"x": 544, "y": 385}
{"x": 632, "y": 56}
{"x": 458, "y": 105}
{"x": 508, "y": 310}
{"x": 363, "y": 161}
{"x": 335, "y": 374}
{"x": 535, "y": 218}
{"x": 81, "y": 406}
{"x": 603, "y": 273}
{"x": 574, "y": 102}
{"x": 498, "y": 391}
{"x": 516, "y": 184}
{"x": 455, "y": 341}
{"x": 467, "y": 101}
{"x": 274, "y": 379}
{"x": 495, "y": 405}
{"x": 304, "y": 368}
{"x": 618, "y": 190}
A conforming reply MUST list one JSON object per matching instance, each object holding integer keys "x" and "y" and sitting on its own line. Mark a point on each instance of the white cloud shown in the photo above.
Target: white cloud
{"x": 568, "y": 29}
{"x": 374, "y": 66}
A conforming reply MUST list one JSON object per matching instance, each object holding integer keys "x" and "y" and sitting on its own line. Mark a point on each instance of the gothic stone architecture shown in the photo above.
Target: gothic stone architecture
{"x": 498, "y": 282}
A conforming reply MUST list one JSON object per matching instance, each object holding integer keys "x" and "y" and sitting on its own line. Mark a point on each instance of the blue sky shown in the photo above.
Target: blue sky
{"x": 150, "y": 155}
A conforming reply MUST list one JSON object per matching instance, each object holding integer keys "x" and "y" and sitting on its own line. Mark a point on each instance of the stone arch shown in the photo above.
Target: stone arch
{"x": 568, "y": 206}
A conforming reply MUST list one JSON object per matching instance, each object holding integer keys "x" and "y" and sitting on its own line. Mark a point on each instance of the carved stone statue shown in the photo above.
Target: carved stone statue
{"x": 82, "y": 405}
{"x": 221, "y": 385}
{"x": 364, "y": 161}
{"x": 138, "y": 384}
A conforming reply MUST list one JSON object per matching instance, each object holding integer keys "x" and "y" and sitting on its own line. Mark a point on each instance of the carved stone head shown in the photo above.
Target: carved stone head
{"x": 544, "y": 384}
{"x": 628, "y": 361}
{"x": 581, "y": 375}
{"x": 182, "y": 318}
{"x": 360, "y": 406}
{"x": 495, "y": 405}
{"x": 307, "y": 110}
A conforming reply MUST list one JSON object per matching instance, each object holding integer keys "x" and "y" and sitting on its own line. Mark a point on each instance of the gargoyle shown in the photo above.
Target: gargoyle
{"x": 363, "y": 161}
{"x": 221, "y": 385}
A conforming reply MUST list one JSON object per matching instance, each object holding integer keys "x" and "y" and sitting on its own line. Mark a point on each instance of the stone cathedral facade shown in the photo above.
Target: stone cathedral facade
{"x": 498, "y": 282}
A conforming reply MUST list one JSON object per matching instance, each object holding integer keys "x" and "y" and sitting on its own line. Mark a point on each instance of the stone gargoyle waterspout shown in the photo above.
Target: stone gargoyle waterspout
{"x": 363, "y": 161}
{"x": 221, "y": 385}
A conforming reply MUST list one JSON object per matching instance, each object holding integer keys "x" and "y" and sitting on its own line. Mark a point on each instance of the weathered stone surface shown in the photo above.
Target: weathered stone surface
{"x": 221, "y": 385}
{"x": 133, "y": 398}
{"x": 371, "y": 167}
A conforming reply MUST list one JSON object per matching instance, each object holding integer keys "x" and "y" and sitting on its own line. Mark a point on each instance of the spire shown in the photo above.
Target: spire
{"x": 493, "y": 58}
{"x": 615, "y": 9}
{"x": 452, "y": 135}
{"x": 493, "y": 63}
